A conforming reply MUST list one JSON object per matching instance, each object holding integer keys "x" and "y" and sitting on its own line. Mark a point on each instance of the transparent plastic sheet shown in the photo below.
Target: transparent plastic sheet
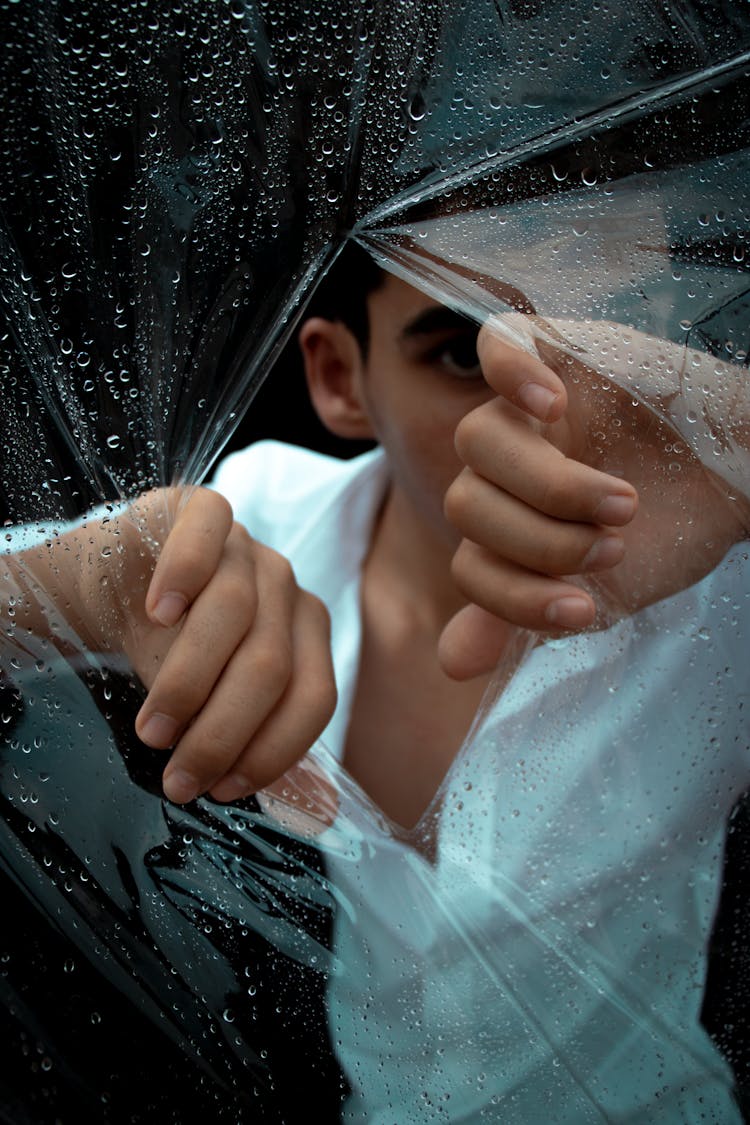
{"x": 535, "y": 948}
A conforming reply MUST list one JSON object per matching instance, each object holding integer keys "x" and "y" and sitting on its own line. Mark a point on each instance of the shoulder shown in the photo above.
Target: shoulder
{"x": 275, "y": 488}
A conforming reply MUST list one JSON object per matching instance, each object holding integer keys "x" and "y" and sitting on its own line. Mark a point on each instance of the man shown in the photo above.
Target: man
{"x": 420, "y": 615}
{"x": 409, "y": 385}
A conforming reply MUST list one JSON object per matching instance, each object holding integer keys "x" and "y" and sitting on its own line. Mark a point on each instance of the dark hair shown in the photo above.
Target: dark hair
{"x": 342, "y": 294}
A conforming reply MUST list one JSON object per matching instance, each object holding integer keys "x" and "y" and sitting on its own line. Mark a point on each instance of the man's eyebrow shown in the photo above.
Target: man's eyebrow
{"x": 437, "y": 319}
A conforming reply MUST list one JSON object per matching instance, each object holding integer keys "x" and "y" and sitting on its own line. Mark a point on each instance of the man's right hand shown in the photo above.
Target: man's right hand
{"x": 235, "y": 656}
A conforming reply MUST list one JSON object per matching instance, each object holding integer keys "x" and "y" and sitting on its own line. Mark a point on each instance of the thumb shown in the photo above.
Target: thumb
{"x": 473, "y": 642}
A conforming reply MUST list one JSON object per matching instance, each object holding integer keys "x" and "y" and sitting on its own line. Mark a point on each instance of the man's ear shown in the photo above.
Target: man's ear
{"x": 334, "y": 369}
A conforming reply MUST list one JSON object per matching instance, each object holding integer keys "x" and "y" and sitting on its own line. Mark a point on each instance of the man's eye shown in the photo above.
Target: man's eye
{"x": 458, "y": 357}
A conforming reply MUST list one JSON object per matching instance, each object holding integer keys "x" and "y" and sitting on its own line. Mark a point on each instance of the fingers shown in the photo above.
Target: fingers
{"x": 189, "y": 557}
{"x": 510, "y": 454}
{"x": 508, "y": 449}
{"x": 472, "y": 643}
{"x": 518, "y": 595}
{"x": 216, "y": 624}
{"x": 535, "y": 511}
{"x": 529, "y": 515}
{"x": 510, "y": 528}
{"x": 236, "y": 656}
{"x": 515, "y": 371}
{"x": 248, "y": 684}
{"x": 292, "y": 728}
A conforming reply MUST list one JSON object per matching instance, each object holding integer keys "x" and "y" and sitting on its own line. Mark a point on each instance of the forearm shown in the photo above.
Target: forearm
{"x": 704, "y": 398}
{"x": 82, "y": 586}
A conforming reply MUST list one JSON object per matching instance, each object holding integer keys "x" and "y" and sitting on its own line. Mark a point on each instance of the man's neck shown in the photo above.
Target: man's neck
{"x": 409, "y": 565}
{"x": 407, "y": 719}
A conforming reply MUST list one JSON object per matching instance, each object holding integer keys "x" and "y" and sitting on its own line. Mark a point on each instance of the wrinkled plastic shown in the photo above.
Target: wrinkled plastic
{"x": 176, "y": 177}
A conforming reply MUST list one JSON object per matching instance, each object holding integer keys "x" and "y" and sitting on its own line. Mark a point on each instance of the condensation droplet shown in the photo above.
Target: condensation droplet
{"x": 417, "y": 108}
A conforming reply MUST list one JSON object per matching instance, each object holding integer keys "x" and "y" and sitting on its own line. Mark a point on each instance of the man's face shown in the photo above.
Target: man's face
{"x": 420, "y": 378}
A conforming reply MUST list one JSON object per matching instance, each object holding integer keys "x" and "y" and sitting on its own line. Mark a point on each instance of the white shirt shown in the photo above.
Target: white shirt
{"x": 550, "y": 967}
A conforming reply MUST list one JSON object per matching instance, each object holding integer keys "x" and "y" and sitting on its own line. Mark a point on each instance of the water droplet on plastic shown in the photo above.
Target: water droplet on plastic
{"x": 417, "y": 108}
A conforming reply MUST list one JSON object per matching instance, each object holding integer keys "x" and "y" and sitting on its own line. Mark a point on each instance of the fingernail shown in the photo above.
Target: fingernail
{"x": 615, "y": 510}
{"x": 231, "y": 788}
{"x": 170, "y": 608}
{"x": 538, "y": 400}
{"x": 606, "y": 552}
{"x": 570, "y": 612}
{"x": 180, "y": 787}
{"x": 158, "y": 731}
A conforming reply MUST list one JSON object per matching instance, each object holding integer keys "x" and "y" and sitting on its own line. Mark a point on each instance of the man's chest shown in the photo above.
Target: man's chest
{"x": 406, "y": 725}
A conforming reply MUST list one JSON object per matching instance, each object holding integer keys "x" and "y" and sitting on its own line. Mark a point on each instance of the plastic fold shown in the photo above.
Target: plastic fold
{"x": 563, "y": 935}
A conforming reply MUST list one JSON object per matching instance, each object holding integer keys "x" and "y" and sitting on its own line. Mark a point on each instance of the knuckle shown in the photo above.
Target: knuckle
{"x": 219, "y": 506}
{"x": 317, "y": 608}
{"x": 259, "y": 775}
{"x": 276, "y": 565}
{"x": 457, "y": 498}
{"x": 241, "y": 538}
{"x": 238, "y": 593}
{"x": 555, "y": 493}
{"x": 319, "y": 698}
{"x": 477, "y": 583}
{"x": 551, "y": 496}
{"x": 208, "y": 752}
{"x": 565, "y": 553}
{"x": 555, "y": 558}
{"x": 179, "y": 693}
{"x": 461, "y": 568}
{"x": 262, "y": 762}
{"x": 468, "y": 433}
{"x": 329, "y": 698}
{"x": 511, "y": 454}
{"x": 273, "y": 666}
{"x": 520, "y": 608}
